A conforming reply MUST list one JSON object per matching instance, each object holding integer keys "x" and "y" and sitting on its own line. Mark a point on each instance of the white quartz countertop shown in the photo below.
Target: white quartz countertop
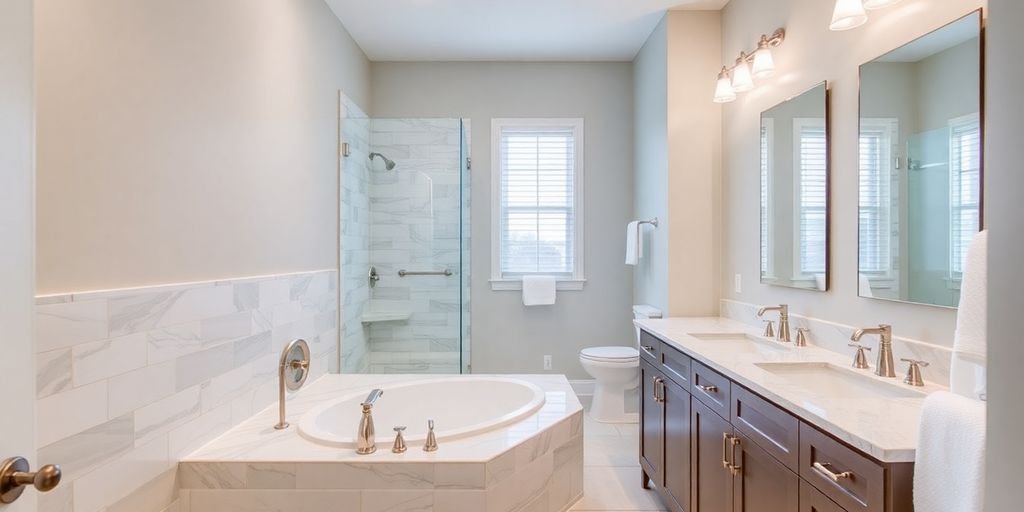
{"x": 884, "y": 427}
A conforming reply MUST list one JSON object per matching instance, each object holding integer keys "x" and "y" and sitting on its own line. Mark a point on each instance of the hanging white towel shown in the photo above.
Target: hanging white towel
{"x": 538, "y": 290}
{"x": 967, "y": 371}
{"x": 634, "y": 245}
{"x": 949, "y": 472}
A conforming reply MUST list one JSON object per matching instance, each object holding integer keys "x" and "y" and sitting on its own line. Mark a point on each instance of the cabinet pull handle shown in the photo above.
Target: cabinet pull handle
{"x": 711, "y": 388}
{"x": 661, "y": 390}
{"x": 648, "y": 348}
{"x": 725, "y": 450}
{"x": 824, "y": 470}
{"x": 734, "y": 468}
{"x": 658, "y": 397}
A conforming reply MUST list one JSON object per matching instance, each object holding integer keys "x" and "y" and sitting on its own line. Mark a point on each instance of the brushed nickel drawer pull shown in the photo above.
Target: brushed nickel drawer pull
{"x": 735, "y": 468}
{"x": 725, "y": 451}
{"x": 649, "y": 348}
{"x": 824, "y": 470}
{"x": 711, "y": 388}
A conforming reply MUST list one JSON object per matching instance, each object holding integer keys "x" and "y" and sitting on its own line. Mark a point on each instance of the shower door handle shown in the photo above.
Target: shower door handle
{"x": 446, "y": 272}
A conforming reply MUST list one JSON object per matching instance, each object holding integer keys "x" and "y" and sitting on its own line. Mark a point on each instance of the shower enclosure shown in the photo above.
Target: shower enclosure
{"x": 404, "y": 254}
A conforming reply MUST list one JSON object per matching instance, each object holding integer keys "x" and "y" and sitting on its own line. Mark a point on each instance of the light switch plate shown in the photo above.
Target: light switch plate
{"x": 738, "y": 283}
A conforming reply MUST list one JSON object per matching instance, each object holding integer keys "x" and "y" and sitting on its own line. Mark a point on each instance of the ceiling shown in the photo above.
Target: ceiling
{"x": 496, "y": 30}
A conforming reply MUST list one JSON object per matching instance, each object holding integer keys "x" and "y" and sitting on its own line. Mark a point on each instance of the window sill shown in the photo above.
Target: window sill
{"x": 511, "y": 285}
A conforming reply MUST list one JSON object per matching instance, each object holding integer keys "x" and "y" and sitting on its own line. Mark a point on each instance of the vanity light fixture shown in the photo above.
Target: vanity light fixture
{"x": 850, "y": 14}
{"x": 756, "y": 65}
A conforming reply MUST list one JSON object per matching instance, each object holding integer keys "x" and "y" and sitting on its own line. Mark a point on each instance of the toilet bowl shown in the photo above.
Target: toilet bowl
{"x": 616, "y": 373}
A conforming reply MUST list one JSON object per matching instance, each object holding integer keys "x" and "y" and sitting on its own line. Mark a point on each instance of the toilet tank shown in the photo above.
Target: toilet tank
{"x": 641, "y": 311}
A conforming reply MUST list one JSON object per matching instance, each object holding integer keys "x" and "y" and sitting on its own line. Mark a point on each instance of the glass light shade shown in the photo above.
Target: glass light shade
{"x": 741, "y": 79}
{"x": 724, "y": 92}
{"x": 879, "y": 4}
{"x": 848, "y": 14}
{"x": 764, "y": 64}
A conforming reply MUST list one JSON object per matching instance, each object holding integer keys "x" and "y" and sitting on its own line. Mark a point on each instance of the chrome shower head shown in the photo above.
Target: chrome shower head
{"x": 389, "y": 164}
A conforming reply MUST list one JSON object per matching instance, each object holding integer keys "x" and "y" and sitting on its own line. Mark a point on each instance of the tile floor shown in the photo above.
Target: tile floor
{"x": 611, "y": 470}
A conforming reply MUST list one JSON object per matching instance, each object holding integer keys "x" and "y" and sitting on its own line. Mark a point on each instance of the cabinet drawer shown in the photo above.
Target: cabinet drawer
{"x": 650, "y": 348}
{"x": 710, "y": 387}
{"x": 676, "y": 366}
{"x": 850, "y": 479}
{"x": 811, "y": 500}
{"x": 773, "y": 429}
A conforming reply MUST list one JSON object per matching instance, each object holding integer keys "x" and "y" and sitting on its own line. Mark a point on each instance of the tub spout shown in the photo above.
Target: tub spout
{"x": 366, "y": 442}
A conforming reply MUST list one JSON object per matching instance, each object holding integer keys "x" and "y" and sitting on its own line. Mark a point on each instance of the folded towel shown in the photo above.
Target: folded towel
{"x": 538, "y": 290}
{"x": 967, "y": 371}
{"x": 634, "y": 246}
{"x": 949, "y": 472}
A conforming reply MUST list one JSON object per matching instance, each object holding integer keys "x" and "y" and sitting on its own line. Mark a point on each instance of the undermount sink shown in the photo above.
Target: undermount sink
{"x": 826, "y": 379}
{"x": 739, "y": 339}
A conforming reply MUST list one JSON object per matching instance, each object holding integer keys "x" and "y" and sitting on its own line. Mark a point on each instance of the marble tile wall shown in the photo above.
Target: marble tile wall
{"x": 355, "y": 238}
{"x": 131, "y": 380}
{"x": 544, "y": 474}
{"x": 836, "y": 337}
{"x": 415, "y": 216}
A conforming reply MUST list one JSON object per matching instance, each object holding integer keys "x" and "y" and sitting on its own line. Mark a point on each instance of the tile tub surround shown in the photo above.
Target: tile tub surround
{"x": 836, "y": 337}
{"x": 533, "y": 464}
{"x": 885, "y": 428}
{"x": 131, "y": 380}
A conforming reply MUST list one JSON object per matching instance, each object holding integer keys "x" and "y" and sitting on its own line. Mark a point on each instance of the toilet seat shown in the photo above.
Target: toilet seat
{"x": 623, "y": 355}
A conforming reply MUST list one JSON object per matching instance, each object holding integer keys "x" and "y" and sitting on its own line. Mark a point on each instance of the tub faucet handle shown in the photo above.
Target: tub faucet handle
{"x": 399, "y": 446}
{"x": 769, "y": 329}
{"x": 431, "y": 444}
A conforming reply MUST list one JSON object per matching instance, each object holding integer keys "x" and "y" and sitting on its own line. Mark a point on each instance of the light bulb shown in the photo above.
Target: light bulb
{"x": 848, "y": 14}
{"x": 879, "y": 4}
{"x": 724, "y": 92}
{"x": 764, "y": 64}
{"x": 741, "y": 79}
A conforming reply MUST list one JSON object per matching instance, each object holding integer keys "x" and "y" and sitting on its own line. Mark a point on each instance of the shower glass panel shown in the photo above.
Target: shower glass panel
{"x": 404, "y": 246}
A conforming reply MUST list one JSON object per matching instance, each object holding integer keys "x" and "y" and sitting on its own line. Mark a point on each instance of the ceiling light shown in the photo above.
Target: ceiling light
{"x": 764, "y": 64}
{"x": 848, "y": 14}
{"x": 741, "y": 79}
{"x": 878, "y": 4}
{"x": 724, "y": 92}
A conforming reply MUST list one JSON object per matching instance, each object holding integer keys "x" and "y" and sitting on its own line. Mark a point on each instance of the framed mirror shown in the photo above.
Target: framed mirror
{"x": 795, "y": 191}
{"x": 920, "y": 187}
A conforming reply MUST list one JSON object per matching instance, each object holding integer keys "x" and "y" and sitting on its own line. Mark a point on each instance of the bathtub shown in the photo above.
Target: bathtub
{"x": 460, "y": 408}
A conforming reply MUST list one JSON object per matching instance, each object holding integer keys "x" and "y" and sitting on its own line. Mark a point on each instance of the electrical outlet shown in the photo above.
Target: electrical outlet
{"x": 738, "y": 283}
{"x": 547, "y": 362}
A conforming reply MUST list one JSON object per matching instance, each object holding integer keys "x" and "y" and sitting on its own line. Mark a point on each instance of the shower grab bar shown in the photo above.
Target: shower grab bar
{"x": 445, "y": 272}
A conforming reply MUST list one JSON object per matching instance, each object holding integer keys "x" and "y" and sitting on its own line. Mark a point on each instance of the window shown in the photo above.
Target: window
{"x": 877, "y": 139}
{"x": 767, "y": 140}
{"x": 537, "y": 228}
{"x": 964, "y": 188}
{"x": 812, "y": 191}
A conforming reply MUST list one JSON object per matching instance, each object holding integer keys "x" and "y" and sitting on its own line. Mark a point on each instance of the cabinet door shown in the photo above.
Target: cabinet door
{"x": 813, "y": 501}
{"x": 762, "y": 483}
{"x": 652, "y": 427}
{"x": 676, "y": 469}
{"x": 712, "y": 482}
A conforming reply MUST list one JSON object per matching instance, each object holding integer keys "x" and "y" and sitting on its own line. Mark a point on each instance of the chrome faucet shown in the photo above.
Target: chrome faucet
{"x": 885, "y": 366}
{"x": 366, "y": 442}
{"x": 783, "y": 309}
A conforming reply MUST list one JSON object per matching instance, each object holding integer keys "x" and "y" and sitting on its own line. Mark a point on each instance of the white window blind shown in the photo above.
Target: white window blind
{"x": 537, "y": 167}
{"x": 877, "y": 138}
{"x": 812, "y": 189}
{"x": 964, "y": 187}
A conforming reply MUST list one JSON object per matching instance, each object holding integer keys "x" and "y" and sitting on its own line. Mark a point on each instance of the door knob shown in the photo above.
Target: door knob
{"x": 15, "y": 475}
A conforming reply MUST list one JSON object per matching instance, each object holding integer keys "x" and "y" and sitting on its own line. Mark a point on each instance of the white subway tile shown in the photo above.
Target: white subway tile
{"x": 186, "y": 438}
{"x": 53, "y": 372}
{"x": 141, "y": 387}
{"x": 154, "y": 496}
{"x": 81, "y": 452}
{"x": 98, "y": 360}
{"x": 69, "y": 323}
{"x": 68, "y": 413}
{"x": 274, "y": 291}
{"x": 111, "y": 482}
{"x": 226, "y": 386}
{"x": 200, "y": 367}
{"x": 162, "y": 416}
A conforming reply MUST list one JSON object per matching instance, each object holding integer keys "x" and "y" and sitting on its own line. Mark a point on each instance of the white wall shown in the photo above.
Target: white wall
{"x": 1004, "y": 125}
{"x": 811, "y": 54}
{"x": 188, "y": 140}
{"x": 506, "y": 336}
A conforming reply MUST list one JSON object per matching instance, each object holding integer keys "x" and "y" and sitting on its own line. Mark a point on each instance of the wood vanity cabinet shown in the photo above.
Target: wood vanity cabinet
{"x": 711, "y": 445}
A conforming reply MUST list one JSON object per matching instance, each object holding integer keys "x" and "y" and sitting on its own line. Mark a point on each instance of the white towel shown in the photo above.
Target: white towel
{"x": 967, "y": 370}
{"x": 949, "y": 472}
{"x": 634, "y": 245}
{"x": 538, "y": 290}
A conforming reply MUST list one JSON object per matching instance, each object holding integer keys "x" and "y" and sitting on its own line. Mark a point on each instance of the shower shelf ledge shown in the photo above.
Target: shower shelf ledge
{"x": 385, "y": 316}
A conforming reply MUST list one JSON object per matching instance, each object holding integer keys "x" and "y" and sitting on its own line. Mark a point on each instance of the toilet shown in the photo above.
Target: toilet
{"x": 616, "y": 372}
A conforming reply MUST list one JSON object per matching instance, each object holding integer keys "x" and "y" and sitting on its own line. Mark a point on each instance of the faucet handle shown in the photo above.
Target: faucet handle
{"x": 860, "y": 360}
{"x": 399, "y": 446}
{"x": 913, "y": 377}
{"x": 769, "y": 329}
{"x": 801, "y": 336}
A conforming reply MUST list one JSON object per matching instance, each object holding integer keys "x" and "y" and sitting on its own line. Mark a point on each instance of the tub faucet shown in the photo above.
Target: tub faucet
{"x": 783, "y": 309}
{"x": 885, "y": 366}
{"x": 366, "y": 442}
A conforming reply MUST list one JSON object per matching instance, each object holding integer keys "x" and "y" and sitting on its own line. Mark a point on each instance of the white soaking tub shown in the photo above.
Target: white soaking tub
{"x": 460, "y": 407}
